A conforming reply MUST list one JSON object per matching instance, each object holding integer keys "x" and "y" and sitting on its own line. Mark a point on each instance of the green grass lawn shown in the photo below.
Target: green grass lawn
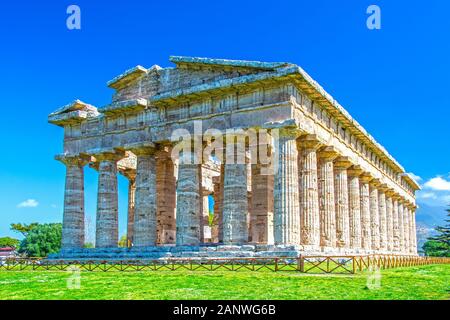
{"x": 424, "y": 282}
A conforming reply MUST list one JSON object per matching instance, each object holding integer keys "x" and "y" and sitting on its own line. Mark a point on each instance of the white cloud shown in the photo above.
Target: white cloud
{"x": 438, "y": 184}
{"x": 415, "y": 177}
{"x": 426, "y": 195}
{"x": 29, "y": 203}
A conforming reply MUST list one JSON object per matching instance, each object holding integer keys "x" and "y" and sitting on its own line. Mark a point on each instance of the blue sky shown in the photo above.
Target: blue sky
{"x": 394, "y": 81}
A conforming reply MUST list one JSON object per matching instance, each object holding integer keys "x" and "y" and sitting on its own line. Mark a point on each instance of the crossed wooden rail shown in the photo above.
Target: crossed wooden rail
{"x": 303, "y": 264}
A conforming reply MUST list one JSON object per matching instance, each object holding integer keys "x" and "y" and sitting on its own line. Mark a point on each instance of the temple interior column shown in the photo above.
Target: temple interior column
{"x": 382, "y": 216}
{"x": 341, "y": 165}
{"x": 107, "y": 235}
{"x": 188, "y": 199}
{"x": 145, "y": 222}
{"x": 131, "y": 204}
{"x": 217, "y": 229}
{"x": 309, "y": 193}
{"x": 354, "y": 173}
{"x": 235, "y": 200}
{"x": 166, "y": 199}
{"x": 73, "y": 217}
{"x": 374, "y": 214}
{"x": 390, "y": 220}
{"x": 395, "y": 223}
{"x": 366, "y": 229}
{"x": 286, "y": 197}
{"x": 327, "y": 208}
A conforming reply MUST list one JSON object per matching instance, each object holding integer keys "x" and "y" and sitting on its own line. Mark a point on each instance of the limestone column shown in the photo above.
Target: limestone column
{"x": 406, "y": 228}
{"x": 218, "y": 206}
{"x": 107, "y": 235}
{"x": 286, "y": 198}
{"x": 309, "y": 192}
{"x": 188, "y": 200}
{"x": 145, "y": 223}
{"x": 327, "y": 207}
{"x": 341, "y": 165}
{"x": 382, "y": 216}
{"x": 413, "y": 231}
{"x": 166, "y": 199}
{"x": 401, "y": 229}
{"x": 390, "y": 220}
{"x": 396, "y": 222}
{"x": 73, "y": 217}
{"x": 374, "y": 215}
{"x": 235, "y": 201}
{"x": 131, "y": 203}
{"x": 354, "y": 207}
{"x": 366, "y": 229}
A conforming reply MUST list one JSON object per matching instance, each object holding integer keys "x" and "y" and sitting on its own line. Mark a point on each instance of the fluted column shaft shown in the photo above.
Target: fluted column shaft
{"x": 309, "y": 192}
{"x": 366, "y": 233}
{"x": 383, "y": 216}
{"x": 341, "y": 195}
{"x": 327, "y": 207}
{"x": 107, "y": 234}
{"x": 235, "y": 204}
{"x": 389, "y": 222}
{"x": 145, "y": 222}
{"x": 396, "y": 223}
{"x": 73, "y": 217}
{"x": 374, "y": 215}
{"x": 354, "y": 207}
{"x": 401, "y": 229}
{"x": 188, "y": 202}
{"x": 413, "y": 232}
{"x": 286, "y": 198}
{"x": 407, "y": 232}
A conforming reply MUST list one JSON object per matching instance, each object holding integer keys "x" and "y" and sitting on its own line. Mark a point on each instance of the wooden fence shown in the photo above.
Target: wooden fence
{"x": 303, "y": 264}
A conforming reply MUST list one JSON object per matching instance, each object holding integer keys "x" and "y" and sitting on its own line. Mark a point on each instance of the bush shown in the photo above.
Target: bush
{"x": 42, "y": 240}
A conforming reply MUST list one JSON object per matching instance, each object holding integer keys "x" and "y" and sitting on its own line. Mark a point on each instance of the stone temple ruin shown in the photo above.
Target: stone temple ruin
{"x": 334, "y": 189}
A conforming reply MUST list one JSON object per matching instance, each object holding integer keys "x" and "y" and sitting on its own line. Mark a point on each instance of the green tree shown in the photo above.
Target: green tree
{"x": 439, "y": 245}
{"x": 123, "y": 242}
{"x": 9, "y": 242}
{"x": 23, "y": 228}
{"x": 42, "y": 240}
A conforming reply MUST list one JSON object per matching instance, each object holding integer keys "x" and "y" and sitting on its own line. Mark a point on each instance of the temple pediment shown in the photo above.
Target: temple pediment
{"x": 74, "y": 112}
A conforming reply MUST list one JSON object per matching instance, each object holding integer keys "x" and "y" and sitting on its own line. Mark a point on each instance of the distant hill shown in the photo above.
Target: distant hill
{"x": 428, "y": 218}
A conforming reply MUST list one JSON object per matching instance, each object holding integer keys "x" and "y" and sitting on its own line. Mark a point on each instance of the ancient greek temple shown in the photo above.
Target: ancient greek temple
{"x": 328, "y": 188}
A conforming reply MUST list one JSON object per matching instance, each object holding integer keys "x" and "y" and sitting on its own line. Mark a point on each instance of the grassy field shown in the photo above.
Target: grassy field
{"x": 424, "y": 282}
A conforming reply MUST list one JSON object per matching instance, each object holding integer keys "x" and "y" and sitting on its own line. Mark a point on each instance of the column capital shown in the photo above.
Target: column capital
{"x": 390, "y": 192}
{"x": 78, "y": 160}
{"x": 396, "y": 196}
{"x": 383, "y": 187}
{"x": 128, "y": 173}
{"x": 106, "y": 154}
{"x": 309, "y": 141}
{"x": 328, "y": 153}
{"x": 146, "y": 148}
{"x": 289, "y": 132}
{"x": 375, "y": 183}
{"x": 366, "y": 177}
{"x": 355, "y": 171}
{"x": 342, "y": 163}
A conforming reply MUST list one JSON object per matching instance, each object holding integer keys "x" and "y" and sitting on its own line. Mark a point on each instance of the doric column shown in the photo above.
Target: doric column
{"x": 145, "y": 221}
{"x": 188, "y": 200}
{"x": 382, "y": 215}
{"x": 327, "y": 207}
{"x": 341, "y": 165}
{"x": 390, "y": 220}
{"x": 73, "y": 217}
{"x": 309, "y": 192}
{"x": 366, "y": 229}
{"x": 406, "y": 228}
{"x": 354, "y": 197}
{"x": 374, "y": 215}
{"x": 218, "y": 206}
{"x": 235, "y": 201}
{"x": 286, "y": 198}
{"x": 413, "y": 231}
{"x": 401, "y": 229}
{"x": 395, "y": 222}
{"x": 131, "y": 176}
{"x": 107, "y": 234}
{"x": 166, "y": 199}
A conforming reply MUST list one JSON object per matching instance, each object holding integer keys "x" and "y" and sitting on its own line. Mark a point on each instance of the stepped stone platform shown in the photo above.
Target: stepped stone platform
{"x": 162, "y": 252}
